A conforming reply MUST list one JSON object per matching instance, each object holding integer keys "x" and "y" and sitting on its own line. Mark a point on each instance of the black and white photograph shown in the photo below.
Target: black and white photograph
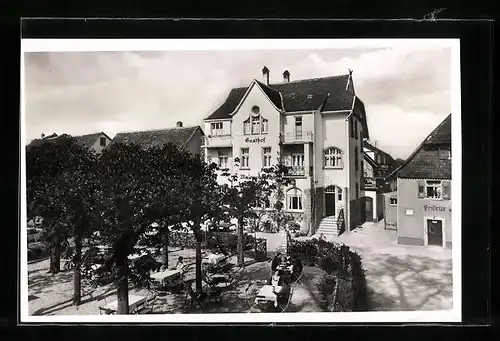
{"x": 251, "y": 180}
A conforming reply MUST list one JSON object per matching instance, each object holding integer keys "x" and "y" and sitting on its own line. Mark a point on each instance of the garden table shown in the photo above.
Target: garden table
{"x": 165, "y": 275}
{"x": 213, "y": 258}
{"x": 134, "y": 302}
{"x": 266, "y": 294}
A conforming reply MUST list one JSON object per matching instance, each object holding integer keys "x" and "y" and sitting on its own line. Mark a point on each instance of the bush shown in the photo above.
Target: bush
{"x": 339, "y": 261}
{"x": 326, "y": 286}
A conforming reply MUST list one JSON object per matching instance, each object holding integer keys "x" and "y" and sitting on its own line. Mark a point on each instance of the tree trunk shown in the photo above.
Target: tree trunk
{"x": 198, "y": 266}
{"x": 122, "y": 290}
{"x": 77, "y": 281}
{"x": 239, "y": 245}
{"x": 55, "y": 256}
{"x": 164, "y": 256}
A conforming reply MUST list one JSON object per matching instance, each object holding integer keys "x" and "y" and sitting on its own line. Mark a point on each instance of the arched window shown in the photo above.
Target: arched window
{"x": 294, "y": 199}
{"x": 333, "y": 158}
{"x": 255, "y": 124}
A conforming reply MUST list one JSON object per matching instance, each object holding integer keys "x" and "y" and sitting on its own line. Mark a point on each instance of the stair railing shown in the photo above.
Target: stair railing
{"x": 341, "y": 221}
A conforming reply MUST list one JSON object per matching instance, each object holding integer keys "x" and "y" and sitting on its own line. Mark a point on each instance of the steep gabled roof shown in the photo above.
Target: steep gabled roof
{"x": 179, "y": 136}
{"x": 301, "y": 95}
{"x": 88, "y": 140}
{"x": 424, "y": 162}
{"x": 375, "y": 149}
{"x": 370, "y": 160}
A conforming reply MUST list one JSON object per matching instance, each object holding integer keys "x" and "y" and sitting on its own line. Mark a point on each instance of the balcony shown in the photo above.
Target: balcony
{"x": 297, "y": 137}
{"x": 373, "y": 183}
{"x": 216, "y": 141}
{"x": 296, "y": 171}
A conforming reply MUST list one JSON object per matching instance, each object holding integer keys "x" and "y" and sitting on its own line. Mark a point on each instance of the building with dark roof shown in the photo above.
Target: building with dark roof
{"x": 377, "y": 165}
{"x": 424, "y": 191}
{"x": 314, "y": 126}
{"x": 97, "y": 141}
{"x": 186, "y": 138}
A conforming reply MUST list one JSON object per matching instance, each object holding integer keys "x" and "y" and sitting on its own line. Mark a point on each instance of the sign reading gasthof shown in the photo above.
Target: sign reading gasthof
{"x": 255, "y": 140}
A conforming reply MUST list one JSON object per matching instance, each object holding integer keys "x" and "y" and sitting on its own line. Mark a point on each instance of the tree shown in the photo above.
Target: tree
{"x": 127, "y": 190}
{"x": 242, "y": 197}
{"x": 59, "y": 177}
{"x": 202, "y": 200}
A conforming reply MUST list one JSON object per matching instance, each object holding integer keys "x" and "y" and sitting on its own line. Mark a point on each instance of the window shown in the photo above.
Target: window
{"x": 256, "y": 125}
{"x": 246, "y": 127}
{"x": 216, "y": 129}
{"x": 444, "y": 153}
{"x": 393, "y": 201}
{"x": 266, "y": 155}
{"x": 223, "y": 160}
{"x": 298, "y": 160}
{"x": 333, "y": 158}
{"x": 102, "y": 142}
{"x": 294, "y": 199}
{"x": 351, "y": 125}
{"x": 264, "y": 126}
{"x": 245, "y": 154}
{"x": 357, "y": 190}
{"x": 356, "y": 165}
{"x": 298, "y": 127}
{"x": 339, "y": 194}
{"x": 356, "y": 129}
{"x": 434, "y": 189}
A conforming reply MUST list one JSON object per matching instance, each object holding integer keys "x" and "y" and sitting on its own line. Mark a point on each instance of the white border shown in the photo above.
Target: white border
{"x": 66, "y": 45}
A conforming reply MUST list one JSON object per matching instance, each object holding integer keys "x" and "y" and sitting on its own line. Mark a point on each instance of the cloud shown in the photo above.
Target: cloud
{"x": 84, "y": 92}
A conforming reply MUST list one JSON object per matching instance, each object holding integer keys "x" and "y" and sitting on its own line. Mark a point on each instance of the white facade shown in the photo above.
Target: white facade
{"x": 318, "y": 147}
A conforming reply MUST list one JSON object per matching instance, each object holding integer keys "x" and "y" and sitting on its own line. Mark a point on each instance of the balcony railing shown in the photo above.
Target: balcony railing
{"x": 216, "y": 141}
{"x": 296, "y": 171}
{"x": 297, "y": 137}
{"x": 373, "y": 183}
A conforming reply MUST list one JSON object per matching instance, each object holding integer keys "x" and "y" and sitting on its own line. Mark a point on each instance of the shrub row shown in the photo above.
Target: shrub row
{"x": 339, "y": 261}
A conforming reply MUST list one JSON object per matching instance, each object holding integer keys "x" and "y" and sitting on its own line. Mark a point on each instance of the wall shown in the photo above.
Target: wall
{"x": 255, "y": 143}
{"x": 226, "y": 127}
{"x": 307, "y": 123}
{"x": 330, "y": 132}
{"x": 411, "y": 227}
{"x": 97, "y": 144}
{"x": 391, "y": 211}
{"x": 194, "y": 145}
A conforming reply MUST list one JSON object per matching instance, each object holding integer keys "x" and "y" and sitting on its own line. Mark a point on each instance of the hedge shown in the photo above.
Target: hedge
{"x": 211, "y": 240}
{"x": 338, "y": 261}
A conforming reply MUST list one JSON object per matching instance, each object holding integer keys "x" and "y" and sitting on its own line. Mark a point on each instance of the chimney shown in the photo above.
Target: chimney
{"x": 375, "y": 143}
{"x": 43, "y": 135}
{"x": 286, "y": 77}
{"x": 265, "y": 75}
{"x": 179, "y": 124}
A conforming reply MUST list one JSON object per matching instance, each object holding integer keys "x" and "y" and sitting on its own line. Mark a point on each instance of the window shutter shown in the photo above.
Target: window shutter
{"x": 421, "y": 189}
{"x": 446, "y": 190}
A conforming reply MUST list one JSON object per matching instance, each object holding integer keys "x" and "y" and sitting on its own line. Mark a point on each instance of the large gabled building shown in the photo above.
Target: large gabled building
{"x": 423, "y": 200}
{"x": 314, "y": 126}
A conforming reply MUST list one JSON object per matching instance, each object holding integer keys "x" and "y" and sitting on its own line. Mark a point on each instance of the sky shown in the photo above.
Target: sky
{"x": 406, "y": 90}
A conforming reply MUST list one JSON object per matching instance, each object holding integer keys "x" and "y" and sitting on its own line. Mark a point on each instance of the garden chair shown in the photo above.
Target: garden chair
{"x": 193, "y": 298}
{"x": 217, "y": 281}
{"x": 298, "y": 279}
{"x": 148, "y": 306}
{"x": 284, "y": 306}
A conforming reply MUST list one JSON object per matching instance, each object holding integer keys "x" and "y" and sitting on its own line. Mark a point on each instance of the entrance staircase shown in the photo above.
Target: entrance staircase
{"x": 332, "y": 226}
{"x": 328, "y": 227}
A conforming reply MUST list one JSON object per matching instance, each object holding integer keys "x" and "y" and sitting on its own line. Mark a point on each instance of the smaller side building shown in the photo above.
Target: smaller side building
{"x": 185, "y": 138}
{"x": 97, "y": 141}
{"x": 376, "y": 166}
{"x": 424, "y": 192}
